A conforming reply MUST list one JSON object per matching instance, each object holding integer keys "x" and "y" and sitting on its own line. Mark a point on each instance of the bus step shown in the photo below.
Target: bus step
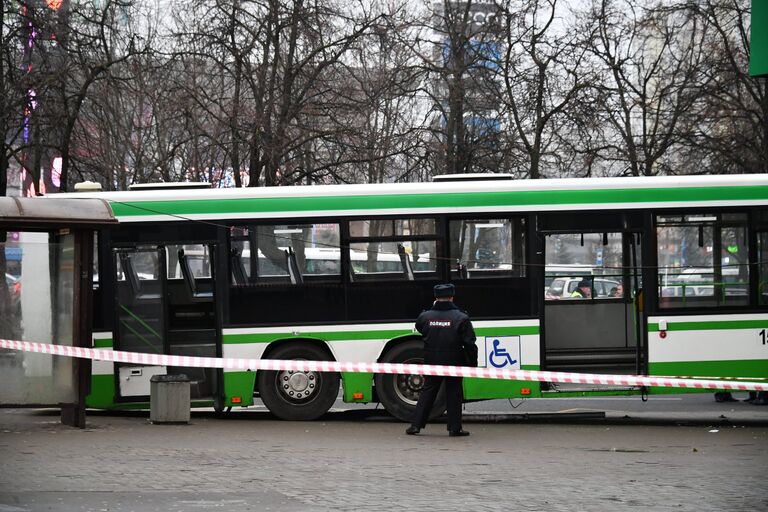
{"x": 556, "y": 388}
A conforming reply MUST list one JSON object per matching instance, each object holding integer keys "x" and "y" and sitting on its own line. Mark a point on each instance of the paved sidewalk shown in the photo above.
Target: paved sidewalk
{"x": 251, "y": 462}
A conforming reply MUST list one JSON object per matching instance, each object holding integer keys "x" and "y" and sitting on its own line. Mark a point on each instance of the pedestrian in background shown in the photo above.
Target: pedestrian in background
{"x": 449, "y": 339}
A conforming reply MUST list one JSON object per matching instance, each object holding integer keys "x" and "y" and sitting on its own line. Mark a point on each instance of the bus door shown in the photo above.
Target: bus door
{"x": 590, "y": 319}
{"x": 140, "y": 316}
{"x": 192, "y": 323}
{"x": 165, "y": 302}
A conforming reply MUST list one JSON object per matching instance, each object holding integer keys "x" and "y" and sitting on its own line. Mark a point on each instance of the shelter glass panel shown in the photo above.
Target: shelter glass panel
{"x": 36, "y": 304}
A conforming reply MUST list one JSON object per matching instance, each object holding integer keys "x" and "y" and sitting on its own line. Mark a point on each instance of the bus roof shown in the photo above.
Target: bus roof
{"x": 444, "y": 197}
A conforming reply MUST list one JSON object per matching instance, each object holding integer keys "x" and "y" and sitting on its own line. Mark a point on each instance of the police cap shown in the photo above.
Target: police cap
{"x": 444, "y": 290}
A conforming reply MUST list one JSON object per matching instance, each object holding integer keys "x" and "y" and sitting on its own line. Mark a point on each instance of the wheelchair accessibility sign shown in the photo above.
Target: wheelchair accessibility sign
{"x": 502, "y": 352}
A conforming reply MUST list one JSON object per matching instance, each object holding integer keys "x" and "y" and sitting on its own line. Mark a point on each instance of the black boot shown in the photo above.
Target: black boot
{"x": 458, "y": 433}
{"x": 762, "y": 398}
{"x": 412, "y": 430}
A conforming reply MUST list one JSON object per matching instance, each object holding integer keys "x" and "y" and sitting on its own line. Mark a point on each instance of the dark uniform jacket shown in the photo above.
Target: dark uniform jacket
{"x": 449, "y": 338}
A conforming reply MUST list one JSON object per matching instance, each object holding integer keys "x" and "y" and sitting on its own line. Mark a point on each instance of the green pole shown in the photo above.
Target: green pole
{"x": 758, "y": 58}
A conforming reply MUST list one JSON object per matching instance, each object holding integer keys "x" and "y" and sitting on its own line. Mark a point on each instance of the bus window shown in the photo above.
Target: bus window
{"x": 397, "y": 249}
{"x": 373, "y": 228}
{"x": 240, "y": 261}
{"x": 735, "y": 264}
{"x": 487, "y": 248}
{"x": 95, "y": 279}
{"x": 197, "y": 256}
{"x": 584, "y": 265}
{"x": 383, "y": 259}
{"x": 144, "y": 263}
{"x": 703, "y": 260}
{"x": 762, "y": 258}
{"x": 315, "y": 248}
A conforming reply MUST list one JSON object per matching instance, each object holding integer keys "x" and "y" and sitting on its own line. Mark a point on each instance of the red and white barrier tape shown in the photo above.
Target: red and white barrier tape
{"x": 411, "y": 369}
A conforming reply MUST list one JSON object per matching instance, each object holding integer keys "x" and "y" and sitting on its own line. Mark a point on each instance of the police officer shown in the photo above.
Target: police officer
{"x": 583, "y": 290}
{"x": 449, "y": 339}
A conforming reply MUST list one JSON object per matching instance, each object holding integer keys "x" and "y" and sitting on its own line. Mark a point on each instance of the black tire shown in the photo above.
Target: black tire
{"x": 298, "y": 396}
{"x": 399, "y": 393}
{"x": 219, "y": 408}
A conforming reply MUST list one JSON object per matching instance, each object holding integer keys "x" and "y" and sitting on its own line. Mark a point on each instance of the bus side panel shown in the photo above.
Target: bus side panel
{"x": 346, "y": 346}
{"x": 506, "y": 345}
{"x": 103, "y": 392}
{"x": 707, "y": 346}
{"x": 483, "y": 389}
{"x": 238, "y": 388}
{"x": 358, "y": 387}
{"x": 240, "y": 384}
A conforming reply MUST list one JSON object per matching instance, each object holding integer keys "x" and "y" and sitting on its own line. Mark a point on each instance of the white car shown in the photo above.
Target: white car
{"x": 563, "y": 287}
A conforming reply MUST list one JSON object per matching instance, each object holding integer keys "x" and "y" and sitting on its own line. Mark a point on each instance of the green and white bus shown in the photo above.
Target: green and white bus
{"x": 678, "y": 267}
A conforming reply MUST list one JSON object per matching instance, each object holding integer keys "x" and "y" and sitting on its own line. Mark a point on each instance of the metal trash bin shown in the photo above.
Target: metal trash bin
{"x": 169, "y": 400}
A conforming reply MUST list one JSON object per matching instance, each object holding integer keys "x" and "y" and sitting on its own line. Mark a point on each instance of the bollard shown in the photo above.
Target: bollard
{"x": 169, "y": 399}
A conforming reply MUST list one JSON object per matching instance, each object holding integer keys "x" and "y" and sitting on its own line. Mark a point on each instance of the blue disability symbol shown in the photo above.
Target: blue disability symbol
{"x": 502, "y": 354}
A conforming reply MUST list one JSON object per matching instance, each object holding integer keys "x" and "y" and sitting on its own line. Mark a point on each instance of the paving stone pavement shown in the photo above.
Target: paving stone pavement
{"x": 124, "y": 463}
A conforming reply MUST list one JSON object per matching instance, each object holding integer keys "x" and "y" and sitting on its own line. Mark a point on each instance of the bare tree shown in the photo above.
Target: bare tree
{"x": 12, "y": 94}
{"x": 280, "y": 92}
{"x": 13, "y": 100}
{"x": 652, "y": 56}
{"x": 381, "y": 141}
{"x": 456, "y": 48}
{"x": 73, "y": 51}
{"x": 731, "y": 135}
{"x": 544, "y": 71}
{"x": 280, "y": 61}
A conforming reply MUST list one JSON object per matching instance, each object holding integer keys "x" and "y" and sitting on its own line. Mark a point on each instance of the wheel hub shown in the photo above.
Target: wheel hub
{"x": 408, "y": 387}
{"x": 297, "y": 386}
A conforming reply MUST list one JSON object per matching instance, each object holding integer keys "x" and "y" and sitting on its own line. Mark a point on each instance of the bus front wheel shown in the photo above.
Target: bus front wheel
{"x": 400, "y": 393}
{"x": 298, "y": 396}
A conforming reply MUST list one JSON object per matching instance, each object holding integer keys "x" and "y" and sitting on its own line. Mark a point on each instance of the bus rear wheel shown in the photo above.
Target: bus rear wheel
{"x": 400, "y": 393}
{"x": 298, "y": 396}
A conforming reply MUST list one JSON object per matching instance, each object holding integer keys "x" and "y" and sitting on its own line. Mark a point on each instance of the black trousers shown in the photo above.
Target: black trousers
{"x": 453, "y": 395}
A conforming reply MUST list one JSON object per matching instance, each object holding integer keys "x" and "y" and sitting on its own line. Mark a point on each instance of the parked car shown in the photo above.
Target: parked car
{"x": 14, "y": 286}
{"x": 563, "y": 287}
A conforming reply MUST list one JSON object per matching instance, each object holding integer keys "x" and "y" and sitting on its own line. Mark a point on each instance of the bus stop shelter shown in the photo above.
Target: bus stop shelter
{"x": 46, "y": 297}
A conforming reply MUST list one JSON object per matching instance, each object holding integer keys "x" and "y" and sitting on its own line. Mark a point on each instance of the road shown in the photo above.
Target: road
{"x": 683, "y": 453}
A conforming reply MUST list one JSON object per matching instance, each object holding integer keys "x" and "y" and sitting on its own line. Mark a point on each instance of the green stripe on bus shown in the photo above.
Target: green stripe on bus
{"x": 447, "y": 200}
{"x": 710, "y": 326}
{"x": 102, "y": 343}
{"x": 258, "y": 337}
{"x": 525, "y": 330}
{"x": 102, "y": 395}
{"x": 742, "y": 368}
